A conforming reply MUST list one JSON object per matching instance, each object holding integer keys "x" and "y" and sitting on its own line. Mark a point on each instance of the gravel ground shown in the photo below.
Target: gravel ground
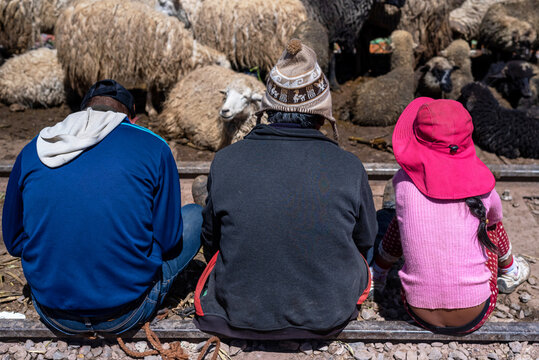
{"x": 238, "y": 349}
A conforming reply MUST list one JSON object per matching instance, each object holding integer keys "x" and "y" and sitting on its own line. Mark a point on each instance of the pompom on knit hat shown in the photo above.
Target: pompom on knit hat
{"x": 297, "y": 84}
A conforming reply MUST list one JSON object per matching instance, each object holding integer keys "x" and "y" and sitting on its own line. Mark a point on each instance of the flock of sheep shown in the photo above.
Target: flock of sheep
{"x": 193, "y": 53}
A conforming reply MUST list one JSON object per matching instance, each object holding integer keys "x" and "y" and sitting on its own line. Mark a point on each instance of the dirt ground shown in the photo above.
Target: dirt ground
{"x": 521, "y": 215}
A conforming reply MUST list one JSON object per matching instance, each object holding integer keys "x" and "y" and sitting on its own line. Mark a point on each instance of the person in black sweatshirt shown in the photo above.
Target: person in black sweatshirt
{"x": 287, "y": 219}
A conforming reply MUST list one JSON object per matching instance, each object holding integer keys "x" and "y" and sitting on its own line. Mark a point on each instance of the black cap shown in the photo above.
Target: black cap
{"x": 112, "y": 89}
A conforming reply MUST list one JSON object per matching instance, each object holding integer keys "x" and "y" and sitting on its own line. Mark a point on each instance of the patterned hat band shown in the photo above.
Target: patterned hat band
{"x": 300, "y": 95}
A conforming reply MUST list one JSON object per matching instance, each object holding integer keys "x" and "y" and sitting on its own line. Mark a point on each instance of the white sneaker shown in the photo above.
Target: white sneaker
{"x": 508, "y": 283}
{"x": 377, "y": 284}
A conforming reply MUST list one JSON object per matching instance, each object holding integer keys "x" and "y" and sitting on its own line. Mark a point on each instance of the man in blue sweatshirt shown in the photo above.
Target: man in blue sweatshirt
{"x": 93, "y": 209}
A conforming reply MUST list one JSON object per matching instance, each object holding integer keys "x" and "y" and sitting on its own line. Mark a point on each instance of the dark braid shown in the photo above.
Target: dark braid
{"x": 478, "y": 210}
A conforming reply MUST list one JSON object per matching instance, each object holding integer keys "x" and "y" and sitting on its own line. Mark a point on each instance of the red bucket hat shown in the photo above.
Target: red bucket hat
{"x": 432, "y": 142}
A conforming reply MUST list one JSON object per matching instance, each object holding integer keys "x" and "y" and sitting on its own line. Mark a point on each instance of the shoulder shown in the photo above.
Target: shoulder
{"x": 140, "y": 133}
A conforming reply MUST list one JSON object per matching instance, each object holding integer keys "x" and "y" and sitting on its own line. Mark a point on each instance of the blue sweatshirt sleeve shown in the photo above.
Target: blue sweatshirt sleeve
{"x": 167, "y": 218}
{"x": 12, "y": 226}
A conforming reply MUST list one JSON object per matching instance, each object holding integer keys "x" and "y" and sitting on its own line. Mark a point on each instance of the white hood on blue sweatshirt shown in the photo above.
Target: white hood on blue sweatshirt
{"x": 61, "y": 143}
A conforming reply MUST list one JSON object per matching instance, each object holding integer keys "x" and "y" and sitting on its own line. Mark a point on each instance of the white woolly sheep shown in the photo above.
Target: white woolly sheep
{"x": 21, "y": 21}
{"x": 195, "y": 107}
{"x": 251, "y": 33}
{"x": 34, "y": 78}
{"x": 466, "y": 19}
{"x": 511, "y": 28}
{"x": 129, "y": 42}
{"x": 380, "y": 101}
{"x": 434, "y": 78}
{"x": 18, "y": 27}
{"x": 458, "y": 53}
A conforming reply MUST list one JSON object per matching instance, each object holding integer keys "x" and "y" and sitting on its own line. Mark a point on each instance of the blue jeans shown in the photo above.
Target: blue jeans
{"x": 384, "y": 217}
{"x": 69, "y": 324}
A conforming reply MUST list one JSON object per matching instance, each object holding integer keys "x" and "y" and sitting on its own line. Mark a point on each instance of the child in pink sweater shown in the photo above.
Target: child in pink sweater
{"x": 445, "y": 204}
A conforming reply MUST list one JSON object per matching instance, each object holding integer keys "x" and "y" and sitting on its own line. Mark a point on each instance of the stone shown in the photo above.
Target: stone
{"x": 521, "y": 314}
{"x": 437, "y": 344}
{"x": 500, "y": 314}
{"x": 515, "y": 307}
{"x": 152, "y": 357}
{"x": 13, "y": 349}
{"x": 532, "y": 280}
{"x": 29, "y": 344}
{"x": 457, "y": 355}
{"x": 435, "y": 354}
{"x": 399, "y": 355}
{"x": 423, "y": 355}
{"x": 515, "y": 205}
{"x": 40, "y": 357}
{"x": 96, "y": 351}
{"x": 502, "y": 307}
{"x": 61, "y": 345}
{"x": 72, "y": 357}
{"x": 323, "y": 348}
{"x": 492, "y": 356}
{"x": 368, "y": 314}
{"x": 362, "y": 355}
{"x": 107, "y": 352}
{"x": 506, "y": 195}
{"x": 334, "y": 347}
{"x": 58, "y": 355}
{"x": 515, "y": 347}
{"x": 20, "y": 355}
{"x": 525, "y": 297}
{"x": 85, "y": 350}
{"x": 234, "y": 350}
{"x": 141, "y": 346}
{"x": 464, "y": 351}
{"x": 306, "y": 348}
{"x": 411, "y": 355}
{"x": 199, "y": 346}
{"x": 4, "y": 348}
{"x": 50, "y": 353}
{"x": 388, "y": 346}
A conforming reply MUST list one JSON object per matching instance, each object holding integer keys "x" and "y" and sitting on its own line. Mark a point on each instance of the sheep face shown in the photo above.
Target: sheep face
{"x": 173, "y": 8}
{"x": 512, "y": 80}
{"x": 437, "y": 75}
{"x": 237, "y": 103}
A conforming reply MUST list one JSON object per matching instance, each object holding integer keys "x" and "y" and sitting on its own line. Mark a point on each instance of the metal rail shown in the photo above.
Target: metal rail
{"x": 371, "y": 331}
{"x": 376, "y": 171}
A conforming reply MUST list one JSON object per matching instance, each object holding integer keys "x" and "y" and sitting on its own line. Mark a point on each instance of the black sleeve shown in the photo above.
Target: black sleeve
{"x": 366, "y": 224}
{"x": 211, "y": 227}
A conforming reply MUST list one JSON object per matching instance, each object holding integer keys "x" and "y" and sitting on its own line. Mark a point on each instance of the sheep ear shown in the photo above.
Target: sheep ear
{"x": 424, "y": 68}
{"x": 256, "y": 97}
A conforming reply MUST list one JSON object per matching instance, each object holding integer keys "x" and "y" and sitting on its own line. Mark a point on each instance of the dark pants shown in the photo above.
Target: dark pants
{"x": 69, "y": 324}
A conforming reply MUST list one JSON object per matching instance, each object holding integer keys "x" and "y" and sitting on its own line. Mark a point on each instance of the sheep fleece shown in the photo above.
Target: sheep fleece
{"x": 251, "y": 33}
{"x": 33, "y": 78}
{"x": 127, "y": 41}
{"x": 192, "y": 107}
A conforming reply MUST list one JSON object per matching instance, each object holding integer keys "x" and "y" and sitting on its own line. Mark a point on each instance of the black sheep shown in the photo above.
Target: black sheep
{"x": 511, "y": 80}
{"x": 507, "y": 132}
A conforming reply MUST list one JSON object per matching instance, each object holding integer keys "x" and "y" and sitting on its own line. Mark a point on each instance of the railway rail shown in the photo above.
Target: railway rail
{"x": 368, "y": 331}
{"x": 375, "y": 171}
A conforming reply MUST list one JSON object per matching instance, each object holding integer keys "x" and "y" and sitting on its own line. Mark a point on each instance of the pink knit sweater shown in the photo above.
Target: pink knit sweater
{"x": 445, "y": 264}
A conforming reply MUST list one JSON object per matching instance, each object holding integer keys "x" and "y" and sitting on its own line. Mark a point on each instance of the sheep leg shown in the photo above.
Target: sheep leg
{"x": 332, "y": 75}
{"x": 150, "y": 110}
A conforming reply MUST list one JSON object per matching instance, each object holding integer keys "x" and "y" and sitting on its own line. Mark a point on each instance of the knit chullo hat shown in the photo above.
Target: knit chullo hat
{"x": 297, "y": 84}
